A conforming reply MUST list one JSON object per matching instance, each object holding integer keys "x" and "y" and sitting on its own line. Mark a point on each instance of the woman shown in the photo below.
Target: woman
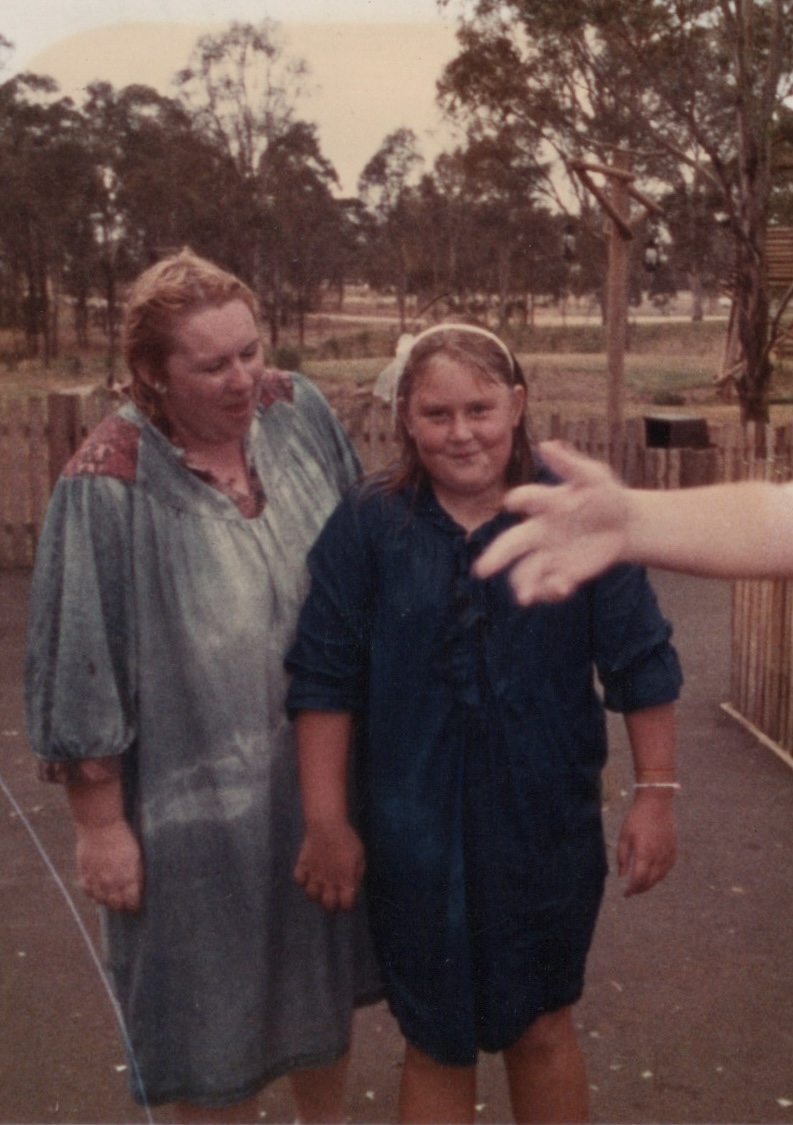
{"x": 166, "y": 590}
{"x": 485, "y": 739}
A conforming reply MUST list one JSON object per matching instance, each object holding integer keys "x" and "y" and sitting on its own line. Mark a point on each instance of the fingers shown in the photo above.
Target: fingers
{"x": 332, "y": 894}
{"x": 513, "y": 543}
{"x": 110, "y": 868}
{"x": 643, "y": 868}
{"x": 124, "y": 893}
{"x": 574, "y": 467}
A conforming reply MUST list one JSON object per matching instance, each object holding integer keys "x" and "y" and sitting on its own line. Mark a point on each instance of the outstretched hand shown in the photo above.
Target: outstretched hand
{"x": 577, "y": 529}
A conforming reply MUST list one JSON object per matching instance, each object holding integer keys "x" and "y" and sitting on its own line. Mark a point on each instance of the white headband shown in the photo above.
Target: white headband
{"x": 387, "y": 382}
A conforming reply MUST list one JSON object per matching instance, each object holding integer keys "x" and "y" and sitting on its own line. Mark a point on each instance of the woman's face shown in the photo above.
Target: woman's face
{"x": 463, "y": 426}
{"x": 213, "y": 376}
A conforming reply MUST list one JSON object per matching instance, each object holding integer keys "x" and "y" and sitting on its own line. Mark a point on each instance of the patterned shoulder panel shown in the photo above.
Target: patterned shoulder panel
{"x": 111, "y": 450}
{"x": 276, "y": 386}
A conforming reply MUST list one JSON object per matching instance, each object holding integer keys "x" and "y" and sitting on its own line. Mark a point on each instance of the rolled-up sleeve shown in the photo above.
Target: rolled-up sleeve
{"x": 637, "y": 664}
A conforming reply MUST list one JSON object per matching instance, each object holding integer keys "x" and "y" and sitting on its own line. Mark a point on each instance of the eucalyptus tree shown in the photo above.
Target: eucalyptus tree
{"x": 385, "y": 186}
{"x": 304, "y": 223}
{"x": 697, "y": 81}
{"x": 241, "y": 89}
{"x": 45, "y": 177}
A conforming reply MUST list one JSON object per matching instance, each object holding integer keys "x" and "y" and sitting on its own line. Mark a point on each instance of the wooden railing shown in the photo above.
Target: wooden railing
{"x": 761, "y": 670}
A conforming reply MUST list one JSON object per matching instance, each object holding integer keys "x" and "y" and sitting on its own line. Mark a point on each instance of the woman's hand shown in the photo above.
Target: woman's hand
{"x": 647, "y": 847}
{"x": 110, "y": 865}
{"x": 330, "y": 865}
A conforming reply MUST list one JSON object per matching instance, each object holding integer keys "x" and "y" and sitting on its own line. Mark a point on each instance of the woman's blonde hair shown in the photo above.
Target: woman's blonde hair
{"x": 493, "y": 360}
{"x": 163, "y": 294}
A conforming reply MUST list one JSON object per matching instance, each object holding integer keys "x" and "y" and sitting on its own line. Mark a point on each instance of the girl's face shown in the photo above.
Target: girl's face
{"x": 213, "y": 376}
{"x": 463, "y": 426}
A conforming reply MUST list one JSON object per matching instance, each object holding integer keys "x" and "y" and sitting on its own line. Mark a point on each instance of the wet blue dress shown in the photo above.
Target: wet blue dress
{"x": 484, "y": 742}
{"x": 159, "y": 620}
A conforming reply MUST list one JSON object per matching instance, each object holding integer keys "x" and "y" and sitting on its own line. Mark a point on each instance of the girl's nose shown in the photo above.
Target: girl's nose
{"x": 460, "y": 429}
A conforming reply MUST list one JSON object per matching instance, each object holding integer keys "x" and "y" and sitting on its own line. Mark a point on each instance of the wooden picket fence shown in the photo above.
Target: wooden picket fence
{"x": 761, "y": 675}
{"x": 39, "y": 433}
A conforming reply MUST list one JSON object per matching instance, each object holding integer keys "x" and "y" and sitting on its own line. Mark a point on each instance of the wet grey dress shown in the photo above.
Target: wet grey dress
{"x": 160, "y": 616}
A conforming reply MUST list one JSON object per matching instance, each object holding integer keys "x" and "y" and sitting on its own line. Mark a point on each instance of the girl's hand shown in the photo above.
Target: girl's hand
{"x": 330, "y": 865}
{"x": 110, "y": 865}
{"x": 647, "y": 848}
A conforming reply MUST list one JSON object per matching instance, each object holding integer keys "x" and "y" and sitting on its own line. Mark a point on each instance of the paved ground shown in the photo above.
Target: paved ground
{"x": 688, "y": 1015}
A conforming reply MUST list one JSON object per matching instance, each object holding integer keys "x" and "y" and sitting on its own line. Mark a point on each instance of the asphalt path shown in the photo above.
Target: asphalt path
{"x": 688, "y": 1013}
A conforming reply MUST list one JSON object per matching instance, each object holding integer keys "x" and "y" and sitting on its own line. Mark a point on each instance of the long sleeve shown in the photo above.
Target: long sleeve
{"x": 80, "y": 664}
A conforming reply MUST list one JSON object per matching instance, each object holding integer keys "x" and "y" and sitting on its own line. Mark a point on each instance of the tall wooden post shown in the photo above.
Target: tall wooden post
{"x": 616, "y": 202}
{"x": 617, "y": 305}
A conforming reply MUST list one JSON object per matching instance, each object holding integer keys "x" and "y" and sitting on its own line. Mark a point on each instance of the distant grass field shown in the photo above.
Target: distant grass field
{"x": 668, "y": 361}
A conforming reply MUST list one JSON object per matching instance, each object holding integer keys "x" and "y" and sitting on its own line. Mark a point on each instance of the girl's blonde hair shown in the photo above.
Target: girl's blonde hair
{"x": 163, "y": 294}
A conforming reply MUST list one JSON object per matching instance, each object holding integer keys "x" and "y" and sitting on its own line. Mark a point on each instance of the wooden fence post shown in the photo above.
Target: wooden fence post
{"x": 65, "y": 429}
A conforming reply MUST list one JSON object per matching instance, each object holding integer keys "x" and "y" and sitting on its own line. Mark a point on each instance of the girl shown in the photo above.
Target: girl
{"x": 484, "y": 741}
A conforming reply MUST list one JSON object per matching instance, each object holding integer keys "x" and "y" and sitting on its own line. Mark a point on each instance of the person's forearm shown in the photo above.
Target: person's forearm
{"x": 740, "y": 530}
{"x": 323, "y": 749}
{"x": 96, "y": 805}
{"x": 652, "y": 737}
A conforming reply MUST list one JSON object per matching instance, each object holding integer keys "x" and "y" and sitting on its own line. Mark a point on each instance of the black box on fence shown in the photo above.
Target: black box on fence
{"x": 676, "y": 431}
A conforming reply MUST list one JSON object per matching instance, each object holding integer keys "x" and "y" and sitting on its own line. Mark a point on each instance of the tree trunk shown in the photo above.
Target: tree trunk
{"x": 695, "y": 281}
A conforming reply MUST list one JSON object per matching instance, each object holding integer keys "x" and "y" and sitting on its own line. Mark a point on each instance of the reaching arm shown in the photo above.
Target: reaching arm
{"x": 647, "y": 847}
{"x": 109, "y": 859}
{"x": 330, "y": 865}
{"x": 591, "y": 521}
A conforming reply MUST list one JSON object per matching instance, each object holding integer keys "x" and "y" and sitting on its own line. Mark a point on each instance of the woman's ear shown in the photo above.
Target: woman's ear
{"x": 152, "y": 379}
{"x": 518, "y": 403}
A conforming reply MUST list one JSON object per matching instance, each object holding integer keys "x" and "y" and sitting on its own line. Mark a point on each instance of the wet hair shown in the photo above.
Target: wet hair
{"x": 490, "y": 358}
{"x": 168, "y": 291}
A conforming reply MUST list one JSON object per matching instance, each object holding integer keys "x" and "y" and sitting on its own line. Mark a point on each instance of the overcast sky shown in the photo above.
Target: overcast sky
{"x": 373, "y": 63}
{"x": 33, "y": 25}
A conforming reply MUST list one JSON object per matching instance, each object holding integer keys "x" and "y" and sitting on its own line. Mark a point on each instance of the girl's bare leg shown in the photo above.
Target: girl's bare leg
{"x": 433, "y": 1093}
{"x": 546, "y": 1075}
